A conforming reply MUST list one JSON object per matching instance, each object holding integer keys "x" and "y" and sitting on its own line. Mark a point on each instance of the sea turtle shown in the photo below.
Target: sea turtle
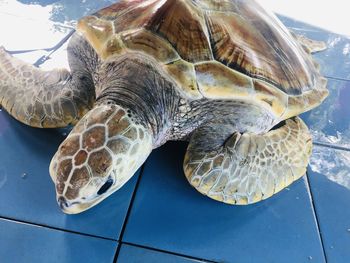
{"x": 225, "y": 75}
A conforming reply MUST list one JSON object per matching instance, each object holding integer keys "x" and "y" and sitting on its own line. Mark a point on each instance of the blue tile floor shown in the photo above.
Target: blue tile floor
{"x": 158, "y": 217}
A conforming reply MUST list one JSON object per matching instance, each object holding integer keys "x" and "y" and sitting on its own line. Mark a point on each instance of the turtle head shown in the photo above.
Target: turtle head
{"x": 100, "y": 155}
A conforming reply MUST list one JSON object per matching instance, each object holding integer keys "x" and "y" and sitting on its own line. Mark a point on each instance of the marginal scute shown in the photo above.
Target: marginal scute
{"x": 184, "y": 75}
{"x": 96, "y": 31}
{"x": 304, "y": 102}
{"x": 275, "y": 98}
{"x": 220, "y": 82}
{"x": 113, "y": 46}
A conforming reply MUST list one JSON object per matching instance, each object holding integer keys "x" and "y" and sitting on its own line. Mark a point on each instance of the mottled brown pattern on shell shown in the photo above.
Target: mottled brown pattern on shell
{"x": 100, "y": 162}
{"x": 218, "y": 81}
{"x": 148, "y": 42}
{"x": 239, "y": 34}
{"x": 256, "y": 43}
{"x": 94, "y": 138}
{"x": 128, "y": 15}
{"x": 176, "y": 21}
{"x": 183, "y": 25}
{"x": 113, "y": 11}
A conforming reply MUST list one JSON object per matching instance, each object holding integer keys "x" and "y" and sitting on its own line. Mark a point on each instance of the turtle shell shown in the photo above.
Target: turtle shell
{"x": 227, "y": 49}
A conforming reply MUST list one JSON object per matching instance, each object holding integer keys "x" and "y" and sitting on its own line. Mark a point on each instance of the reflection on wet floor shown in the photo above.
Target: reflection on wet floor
{"x": 334, "y": 164}
{"x": 329, "y": 123}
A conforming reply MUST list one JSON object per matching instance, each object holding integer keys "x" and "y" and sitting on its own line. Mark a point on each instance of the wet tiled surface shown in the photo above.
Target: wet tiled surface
{"x": 335, "y": 61}
{"x": 329, "y": 175}
{"x": 28, "y": 194}
{"x": 158, "y": 216}
{"x": 330, "y": 122}
{"x": 27, "y": 243}
{"x": 169, "y": 214}
{"x": 133, "y": 254}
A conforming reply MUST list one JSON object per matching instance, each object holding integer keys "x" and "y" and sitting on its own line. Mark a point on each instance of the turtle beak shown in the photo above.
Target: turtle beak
{"x": 76, "y": 207}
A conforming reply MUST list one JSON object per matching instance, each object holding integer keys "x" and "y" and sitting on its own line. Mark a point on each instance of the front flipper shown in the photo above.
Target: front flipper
{"x": 45, "y": 99}
{"x": 247, "y": 168}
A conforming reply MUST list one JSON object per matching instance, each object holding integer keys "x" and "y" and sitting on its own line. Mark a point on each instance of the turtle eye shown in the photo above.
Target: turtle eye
{"x": 106, "y": 186}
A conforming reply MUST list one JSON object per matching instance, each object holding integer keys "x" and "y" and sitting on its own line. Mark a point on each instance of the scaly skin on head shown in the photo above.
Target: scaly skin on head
{"x": 98, "y": 157}
{"x": 132, "y": 115}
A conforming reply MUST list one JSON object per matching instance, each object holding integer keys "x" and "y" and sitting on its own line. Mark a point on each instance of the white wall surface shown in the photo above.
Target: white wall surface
{"x": 333, "y": 15}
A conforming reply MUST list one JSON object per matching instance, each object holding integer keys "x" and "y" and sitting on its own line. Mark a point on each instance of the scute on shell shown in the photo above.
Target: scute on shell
{"x": 218, "y": 42}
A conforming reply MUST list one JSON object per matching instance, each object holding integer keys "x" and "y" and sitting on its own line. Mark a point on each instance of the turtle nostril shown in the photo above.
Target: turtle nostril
{"x": 62, "y": 202}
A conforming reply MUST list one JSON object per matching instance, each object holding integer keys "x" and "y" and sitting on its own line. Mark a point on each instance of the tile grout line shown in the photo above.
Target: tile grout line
{"x": 55, "y": 228}
{"x": 120, "y": 239}
{"x": 316, "y": 218}
{"x": 128, "y": 214}
{"x": 170, "y": 252}
{"x": 336, "y": 147}
{"x": 337, "y": 78}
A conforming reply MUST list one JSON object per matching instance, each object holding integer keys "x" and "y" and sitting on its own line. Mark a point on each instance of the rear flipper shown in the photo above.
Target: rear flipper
{"x": 310, "y": 45}
{"x": 45, "y": 99}
{"x": 247, "y": 168}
